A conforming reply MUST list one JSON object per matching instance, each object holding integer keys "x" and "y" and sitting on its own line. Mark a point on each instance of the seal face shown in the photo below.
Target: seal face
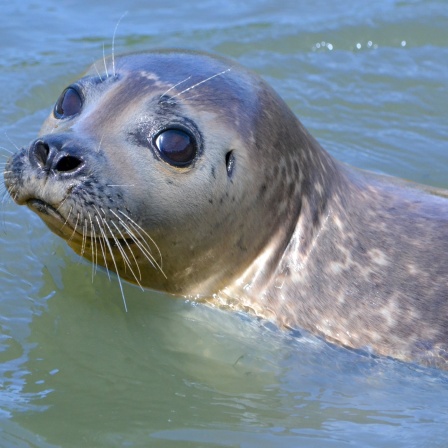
{"x": 186, "y": 173}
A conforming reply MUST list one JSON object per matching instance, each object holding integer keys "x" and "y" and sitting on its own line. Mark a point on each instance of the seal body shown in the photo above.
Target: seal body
{"x": 186, "y": 173}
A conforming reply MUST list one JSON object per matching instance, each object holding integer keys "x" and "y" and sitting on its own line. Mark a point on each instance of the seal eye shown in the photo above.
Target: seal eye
{"x": 68, "y": 104}
{"x": 176, "y": 147}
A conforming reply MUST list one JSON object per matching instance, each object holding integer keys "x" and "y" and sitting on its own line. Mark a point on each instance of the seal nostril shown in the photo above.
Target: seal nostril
{"x": 68, "y": 163}
{"x": 41, "y": 152}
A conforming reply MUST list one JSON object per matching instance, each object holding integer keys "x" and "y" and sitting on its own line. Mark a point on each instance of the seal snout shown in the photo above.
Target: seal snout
{"x": 50, "y": 155}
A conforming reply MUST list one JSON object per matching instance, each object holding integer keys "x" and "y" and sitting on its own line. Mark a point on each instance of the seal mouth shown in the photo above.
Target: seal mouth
{"x": 52, "y": 217}
{"x": 43, "y": 208}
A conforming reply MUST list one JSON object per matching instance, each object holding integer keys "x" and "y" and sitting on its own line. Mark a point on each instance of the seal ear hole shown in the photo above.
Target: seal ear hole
{"x": 230, "y": 163}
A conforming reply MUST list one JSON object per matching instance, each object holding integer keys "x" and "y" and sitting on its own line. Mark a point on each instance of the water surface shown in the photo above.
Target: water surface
{"x": 369, "y": 80}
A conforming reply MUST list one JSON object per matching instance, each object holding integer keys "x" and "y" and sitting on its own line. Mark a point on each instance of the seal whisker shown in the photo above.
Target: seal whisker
{"x": 116, "y": 267}
{"x": 93, "y": 246}
{"x": 144, "y": 250}
{"x": 68, "y": 217}
{"x": 6, "y": 195}
{"x": 173, "y": 87}
{"x": 12, "y": 195}
{"x": 84, "y": 237}
{"x": 122, "y": 252}
{"x": 98, "y": 211}
{"x": 98, "y": 72}
{"x": 184, "y": 100}
{"x": 7, "y": 150}
{"x": 62, "y": 203}
{"x": 141, "y": 243}
{"x": 12, "y": 143}
{"x": 105, "y": 63}
{"x": 202, "y": 82}
{"x": 100, "y": 143}
{"x": 103, "y": 249}
{"x": 128, "y": 261}
{"x": 74, "y": 230}
{"x": 113, "y": 42}
{"x": 139, "y": 229}
{"x": 129, "y": 247}
{"x": 104, "y": 213}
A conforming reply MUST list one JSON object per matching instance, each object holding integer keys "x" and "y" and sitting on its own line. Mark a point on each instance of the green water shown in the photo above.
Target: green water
{"x": 369, "y": 80}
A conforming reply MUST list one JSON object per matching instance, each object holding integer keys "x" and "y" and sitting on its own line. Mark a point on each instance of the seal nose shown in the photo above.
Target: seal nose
{"x": 50, "y": 155}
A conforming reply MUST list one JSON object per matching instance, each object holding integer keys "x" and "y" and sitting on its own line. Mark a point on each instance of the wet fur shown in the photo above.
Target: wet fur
{"x": 290, "y": 234}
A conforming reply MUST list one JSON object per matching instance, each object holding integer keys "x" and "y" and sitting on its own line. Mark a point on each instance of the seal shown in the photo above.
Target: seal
{"x": 186, "y": 173}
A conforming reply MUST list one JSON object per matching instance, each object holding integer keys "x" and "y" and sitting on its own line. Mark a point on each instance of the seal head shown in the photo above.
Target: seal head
{"x": 187, "y": 173}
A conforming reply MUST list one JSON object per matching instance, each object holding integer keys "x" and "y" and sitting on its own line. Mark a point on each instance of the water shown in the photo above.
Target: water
{"x": 369, "y": 80}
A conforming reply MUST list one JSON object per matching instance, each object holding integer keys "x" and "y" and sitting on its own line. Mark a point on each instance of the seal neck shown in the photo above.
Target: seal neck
{"x": 314, "y": 181}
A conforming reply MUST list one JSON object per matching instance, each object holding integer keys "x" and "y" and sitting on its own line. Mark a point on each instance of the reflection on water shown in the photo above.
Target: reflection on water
{"x": 369, "y": 80}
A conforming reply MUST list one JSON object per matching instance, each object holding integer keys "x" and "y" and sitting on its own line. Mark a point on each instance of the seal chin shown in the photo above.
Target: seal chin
{"x": 43, "y": 208}
{"x": 52, "y": 218}
{"x": 59, "y": 225}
